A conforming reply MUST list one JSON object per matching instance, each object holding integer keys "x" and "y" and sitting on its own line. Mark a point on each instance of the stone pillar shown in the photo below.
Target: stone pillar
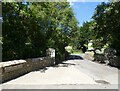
{"x": 50, "y": 52}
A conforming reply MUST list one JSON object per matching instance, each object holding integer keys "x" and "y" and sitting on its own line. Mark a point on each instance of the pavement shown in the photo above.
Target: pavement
{"x": 75, "y": 73}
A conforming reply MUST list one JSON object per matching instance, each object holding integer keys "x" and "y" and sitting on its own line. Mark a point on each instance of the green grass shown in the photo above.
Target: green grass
{"x": 76, "y": 52}
{"x": 73, "y": 51}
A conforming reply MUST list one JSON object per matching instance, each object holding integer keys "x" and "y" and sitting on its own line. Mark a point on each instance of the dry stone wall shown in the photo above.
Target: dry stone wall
{"x": 12, "y": 69}
{"x": 108, "y": 57}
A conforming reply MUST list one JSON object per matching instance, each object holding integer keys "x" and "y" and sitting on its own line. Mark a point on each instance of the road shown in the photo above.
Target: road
{"x": 75, "y": 73}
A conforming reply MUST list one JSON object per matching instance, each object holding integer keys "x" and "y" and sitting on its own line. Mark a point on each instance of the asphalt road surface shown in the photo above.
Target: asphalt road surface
{"x": 75, "y": 73}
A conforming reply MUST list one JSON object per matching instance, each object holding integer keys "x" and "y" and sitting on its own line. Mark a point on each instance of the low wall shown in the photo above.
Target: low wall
{"x": 108, "y": 57}
{"x": 89, "y": 56}
{"x": 100, "y": 58}
{"x": 12, "y": 69}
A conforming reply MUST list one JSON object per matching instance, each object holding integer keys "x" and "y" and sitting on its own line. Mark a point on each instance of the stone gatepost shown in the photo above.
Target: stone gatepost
{"x": 50, "y": 52}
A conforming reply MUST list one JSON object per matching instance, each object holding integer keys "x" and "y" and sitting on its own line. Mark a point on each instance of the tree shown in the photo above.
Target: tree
{"x": 107, "y": 18}
{"x": 29, "y": 29}
{"x": 84, "y": 35}
{"x": 14, "y": 34}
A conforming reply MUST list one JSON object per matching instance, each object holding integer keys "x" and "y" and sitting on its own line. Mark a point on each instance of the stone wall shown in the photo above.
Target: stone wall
{"x": 108, "y": 56}
{"x": 89, "y": 55}
{"x": 111, "y": 57}
{"x": 12, "y": 69}
{"x": 99, "y": 58}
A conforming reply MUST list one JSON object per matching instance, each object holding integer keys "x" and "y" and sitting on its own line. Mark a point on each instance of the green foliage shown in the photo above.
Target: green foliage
{"x": 29, "y": 29}
{"x": 107, "y": 18}
{"x": 102, "y": 30}
{"x": 84, "y": 35}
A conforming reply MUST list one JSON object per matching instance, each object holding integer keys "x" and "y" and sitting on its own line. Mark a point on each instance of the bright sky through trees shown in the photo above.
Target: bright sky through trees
{"x": 84, "y": 10}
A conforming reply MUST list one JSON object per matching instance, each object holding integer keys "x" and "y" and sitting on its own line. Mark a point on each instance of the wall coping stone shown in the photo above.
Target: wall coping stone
{"x": 11, "y": 63}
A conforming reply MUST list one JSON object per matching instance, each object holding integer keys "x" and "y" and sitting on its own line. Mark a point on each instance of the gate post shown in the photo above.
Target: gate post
{"x": 50, "y": 52}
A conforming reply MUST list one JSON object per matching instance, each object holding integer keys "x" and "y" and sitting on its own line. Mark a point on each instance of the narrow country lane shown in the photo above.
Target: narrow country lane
{"x": 75, "y": 73}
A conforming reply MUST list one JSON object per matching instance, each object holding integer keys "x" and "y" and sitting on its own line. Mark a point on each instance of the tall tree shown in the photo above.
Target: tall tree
{"x": 30, "y": 28}
{"x": 84, "y": 35}
{"x": 107, "y": 18}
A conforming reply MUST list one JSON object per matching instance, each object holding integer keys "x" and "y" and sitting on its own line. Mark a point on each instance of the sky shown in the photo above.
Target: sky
{"x": 83, "y": 10}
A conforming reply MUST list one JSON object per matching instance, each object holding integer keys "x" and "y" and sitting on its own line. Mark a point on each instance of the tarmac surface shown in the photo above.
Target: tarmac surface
{"x": 75, "y": 73}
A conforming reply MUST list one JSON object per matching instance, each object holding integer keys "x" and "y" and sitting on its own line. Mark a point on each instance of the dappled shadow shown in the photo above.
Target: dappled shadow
{"x": 42, "y": 70}
{"x": 64, "y": 65}
{"x": 68, "y": 63}
{"x": 74, "y": 57}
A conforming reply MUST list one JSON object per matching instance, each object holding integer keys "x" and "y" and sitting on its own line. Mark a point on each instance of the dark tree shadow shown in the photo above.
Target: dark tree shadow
{"x": 64, "y": 65}
{"x": 42, "y": 70}
{"x": 70, "y": 57}
{"x": 74, "y": 57}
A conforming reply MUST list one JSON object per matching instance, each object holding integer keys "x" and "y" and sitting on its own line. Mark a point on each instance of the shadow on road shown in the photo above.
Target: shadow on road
{"x": 74, "y": 57}
{"x": 63, "y": 64}
{"x": 43, "y": 70}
